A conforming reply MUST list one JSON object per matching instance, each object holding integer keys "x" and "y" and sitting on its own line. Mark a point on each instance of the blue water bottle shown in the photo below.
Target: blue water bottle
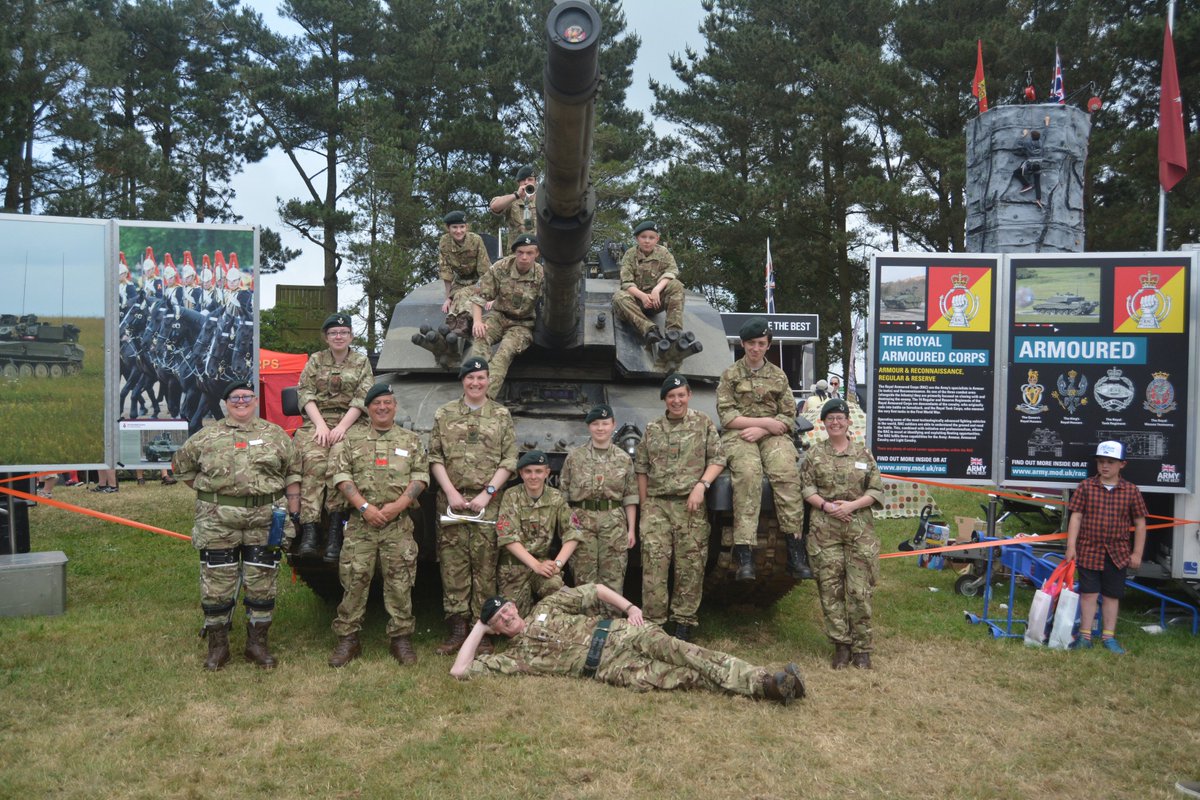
{"x": 275, "y": 537}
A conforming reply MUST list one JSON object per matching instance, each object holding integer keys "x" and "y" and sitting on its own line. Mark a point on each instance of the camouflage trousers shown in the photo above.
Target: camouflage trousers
{"x": 509, "y": 339}
{"x": 844, "y": 557}
{"x": 217, "y": 531}
{"x": 521, "y": 584}
{"x": 775, "y": 457}
{"x": 625, "y": 306}
{"x": 645, "y": 658}
{"x": 673, "y": 537}
{"x": 467, "y": 561}
{"x": 315, "y": 490}
{"x": 394, "y": 548}
{"x": 460, "y": 299}
{"x": 603, "y": 550}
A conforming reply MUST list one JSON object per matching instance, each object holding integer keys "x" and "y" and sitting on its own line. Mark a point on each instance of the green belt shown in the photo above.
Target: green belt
{"x": 241, "y": 501}
{"x": 595, "y": 505}
{"x": 596, "y": 648}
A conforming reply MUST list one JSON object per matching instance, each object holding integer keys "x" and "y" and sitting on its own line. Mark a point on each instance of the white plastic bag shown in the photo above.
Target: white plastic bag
{"x": 1064, "y": 619}
{"x": 1039, "y": 615}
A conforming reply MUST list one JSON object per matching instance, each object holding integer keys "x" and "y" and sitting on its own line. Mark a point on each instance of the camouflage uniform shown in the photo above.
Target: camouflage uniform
{"x": 744, "y": 392}
{"x": 645, "y": 272}
{"x": 336, "y": 389}
{"x": 599, "y": 482}
{"x": 534, "y": 524}
{"x": 238, "y": 472}
{"x": 520, "y": 217}
{"x": 381, "y": 465}
{"x": 461, "y": 265}
{"x": 673, "y": 455}
{"x": 471, "y": 445}
{"x": 844, "y": 555}
{"x": 559, "y": 632}
{"x": 510, "y": 322}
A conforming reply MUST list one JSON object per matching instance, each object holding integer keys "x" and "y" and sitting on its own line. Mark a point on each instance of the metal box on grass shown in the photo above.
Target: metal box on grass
{"x": 33, "y": 584}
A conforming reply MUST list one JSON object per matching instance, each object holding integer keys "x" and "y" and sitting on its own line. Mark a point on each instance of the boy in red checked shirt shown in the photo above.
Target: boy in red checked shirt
{"x": 1102, "y": 510}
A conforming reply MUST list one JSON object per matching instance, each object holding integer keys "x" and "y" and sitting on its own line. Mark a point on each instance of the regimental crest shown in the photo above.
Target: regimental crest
{"x": 1031, "y": 396}
{"x": 1148, "y": 305}
{"x": 1114, "y": 392}
{"x": 1160, "y": 395}
{"x": 959, "y": 305}
{"x": 1072, "y": 391}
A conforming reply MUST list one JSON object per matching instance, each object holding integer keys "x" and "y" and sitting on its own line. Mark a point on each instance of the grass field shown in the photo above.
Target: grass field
{"x": 109, "y": 700}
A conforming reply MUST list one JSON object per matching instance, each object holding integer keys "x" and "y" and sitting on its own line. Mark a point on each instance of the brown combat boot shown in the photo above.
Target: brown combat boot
{"x": 257, "y": 649}
{"x": 218, "y": 647}
{"x": 457, "y": 635}
{"x": 779, "y": 687}
{"x": 402, "y": 650}
{"x": 347, "y": 649}
{"x": 861, "y": 660}
{"x": 794, "y": 671}
{"x": 486, "y": 648}
{"x": 841, "y": 656}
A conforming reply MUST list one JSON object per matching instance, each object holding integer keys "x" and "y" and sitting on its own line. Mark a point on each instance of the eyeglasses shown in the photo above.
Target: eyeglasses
{"x": 241, "y": 400}
{"x": 338, "y": 334}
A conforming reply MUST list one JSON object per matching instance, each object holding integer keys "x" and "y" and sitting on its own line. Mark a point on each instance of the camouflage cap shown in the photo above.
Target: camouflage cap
{"x": 754, "y": 328}
{"x": 336, "y": 321}
{"x": 455, "y": 218}
{"x": 378, "y": 390}
{"x": 835, "y": 406}
{"x": 534, "y": 458}
{"x": 490, "y": 607}
{"x": 475, "y": 364}
{"x": 233, "y": 386}
{"x": 673, "y": 381}
{"x": 646, "y": 225}
{"x": 525, "y": 171}
{"x": 599, "y": 411}
{"x": 524, "y": 240}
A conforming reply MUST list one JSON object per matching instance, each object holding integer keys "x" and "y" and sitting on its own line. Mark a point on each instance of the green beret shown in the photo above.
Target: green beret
{"x": 455, "y": 218}
{"x": 599, "y": 411}
{"x": 233, "y": 386}
{"x": 835, "y": 406}
{"x": 490, "y": 607}
{"x": 524, "y": 172}
{"x": 647, "y": 225}
{"x": 524, "y": 240}
{"x": 336, "y": 321}
{"x": 755, "y": 328}
{"x": 475, "y": 364}
{"x": 378, "y": 390}
{"x": 531, "y": 459}
{"x": 673, "y": 381}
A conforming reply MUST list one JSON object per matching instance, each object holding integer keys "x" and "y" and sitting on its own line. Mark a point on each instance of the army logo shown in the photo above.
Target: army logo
{"x": 1148, "y": 305}
{"x": 1160, "y": 395}
{"x": 1072, "y": 391}
{"x": 1031, "y": 395}
{"x": 1114, "y": 392}
{"x": 959, "y": 305}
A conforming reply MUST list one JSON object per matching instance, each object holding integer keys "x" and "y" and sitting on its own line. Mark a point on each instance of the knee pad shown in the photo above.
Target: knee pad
{"x": 258, "y": 605}
{"x": 260, "y": 555}
{"x": 219, "y": 558}
{"x": 218, "y": 609}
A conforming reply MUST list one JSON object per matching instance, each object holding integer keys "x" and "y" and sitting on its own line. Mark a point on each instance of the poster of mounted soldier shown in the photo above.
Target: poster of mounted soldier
{"x": 188, "y": 311}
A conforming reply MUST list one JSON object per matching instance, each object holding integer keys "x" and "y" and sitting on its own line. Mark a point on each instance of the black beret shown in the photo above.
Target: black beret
{"x": 673, "y": 381}
{"x": 532, "y": 458}
{"x": 647, "y": 225}
{"x": 475, "y": 364}
{"x": 336, "y": 321}
{"x": 524, "y": 172}
{"x": 599, "y": 411}
{"x": 755, "y": 328}
{"x": 523, "y": 240}
{"x": 377, "y": 390}
{"x": 490, "y": 607}
{"x": 835, "y": 406}
{"x": 455, "y": 218}
{"x": 233, "y": 386}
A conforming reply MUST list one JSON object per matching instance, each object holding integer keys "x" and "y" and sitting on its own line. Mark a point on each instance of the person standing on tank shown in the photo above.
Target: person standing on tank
{"x": 649, "y": 283}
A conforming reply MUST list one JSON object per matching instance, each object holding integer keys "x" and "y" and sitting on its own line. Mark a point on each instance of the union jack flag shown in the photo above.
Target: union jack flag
{"x": 770, "y": 284}
{"x": 1056, "y": 86}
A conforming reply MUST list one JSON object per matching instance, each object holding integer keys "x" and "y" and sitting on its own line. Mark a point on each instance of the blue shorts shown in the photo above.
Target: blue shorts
{"x": 1109, "y": 581}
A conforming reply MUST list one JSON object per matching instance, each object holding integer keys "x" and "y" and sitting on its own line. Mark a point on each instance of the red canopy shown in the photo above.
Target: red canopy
{"x": 276, "y": 372}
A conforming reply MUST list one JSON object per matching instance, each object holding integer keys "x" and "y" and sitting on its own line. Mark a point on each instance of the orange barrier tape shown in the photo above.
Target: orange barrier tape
{"x": 97, "y": 514}
{"x": 1046, "y": 537}
{"x": 30, "y": 475}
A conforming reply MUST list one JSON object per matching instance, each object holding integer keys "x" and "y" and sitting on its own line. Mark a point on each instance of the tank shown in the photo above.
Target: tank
{"x": 904, "y": 300}
{"x": 579, "y": 356}
{"x": 160, "y": 449}
{"x": 1066, "y": 303}
{"x": 29, "y": 348}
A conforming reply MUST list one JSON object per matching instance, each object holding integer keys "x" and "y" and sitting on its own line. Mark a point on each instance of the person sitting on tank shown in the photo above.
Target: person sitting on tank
{"x": 518, "y": 208}
{"x": 577, "y": 632}
{"x": 462, "y": 258}
{"x": 511, "y": 289}
{"x": 649, "y": 283}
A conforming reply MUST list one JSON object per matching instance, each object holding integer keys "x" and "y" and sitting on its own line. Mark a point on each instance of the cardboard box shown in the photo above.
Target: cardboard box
{"x": 33, "y": 584}
{"x": 967, "y": 526}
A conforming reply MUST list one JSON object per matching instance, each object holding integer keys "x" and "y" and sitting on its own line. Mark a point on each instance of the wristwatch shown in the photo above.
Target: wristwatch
{"x": 707, "y": 485}
{"x": 491, "y": 490}
{"x": 559, "y": 564}
{"x": 363, "y": 508}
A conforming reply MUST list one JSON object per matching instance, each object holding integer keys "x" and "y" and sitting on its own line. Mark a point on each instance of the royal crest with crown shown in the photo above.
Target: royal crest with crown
{"x": 959, "y": 305}
{"x": 1148, "y": 306}
{"x": 1072, "y": 391}
{"x": 1114, "y": 392}
{"x": 1160, "y": 395}
{"x": 1031, "y": 395}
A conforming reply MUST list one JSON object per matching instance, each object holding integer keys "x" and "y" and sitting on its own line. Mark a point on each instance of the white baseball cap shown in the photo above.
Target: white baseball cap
{"x": 1111, "y": 449}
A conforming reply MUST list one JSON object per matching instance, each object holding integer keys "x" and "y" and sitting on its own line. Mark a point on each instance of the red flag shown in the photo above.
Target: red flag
{"x": 979, "y": 86}
{"x": 1172, "y": 145}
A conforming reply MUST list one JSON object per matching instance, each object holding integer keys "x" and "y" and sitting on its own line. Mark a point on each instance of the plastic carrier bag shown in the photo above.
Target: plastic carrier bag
{"x": 1065, "y": 611}
{"x": 1041, "y": 609}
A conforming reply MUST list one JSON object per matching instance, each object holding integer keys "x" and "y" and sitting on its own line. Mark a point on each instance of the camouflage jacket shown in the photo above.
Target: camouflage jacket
{"x": 515, "y": 295}
{"x": 472, "y": 445}
{"x": 253, "y": 458}
{"x": 520, "y": 217}
{"x": 462, "y": 264}
{"x": 336, "y": 389}
{"x": 645, "y": 271}
{"x": 743, "y": 392}
{"x": 380, "y": 464}
{"x": 533, "y": 523}
{"x": 841, "y": 476}
{"x": 675, "y": 452}
{"x": 592, "y": 473}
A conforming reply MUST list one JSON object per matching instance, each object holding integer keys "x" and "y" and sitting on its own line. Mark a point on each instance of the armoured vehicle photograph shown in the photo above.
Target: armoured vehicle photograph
{"x": 1066, "y": 303}
{"x": 29, "y": 348}
{"x": 161, "y": 448}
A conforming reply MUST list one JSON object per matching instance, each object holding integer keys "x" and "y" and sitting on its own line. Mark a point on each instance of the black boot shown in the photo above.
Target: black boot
{"x": 744, "y": 557}
{"x": 683, "y": 632}
{"x": 797, "y": 560}
{"x": 308, "y": 541}
{"x": 333, "y": 545}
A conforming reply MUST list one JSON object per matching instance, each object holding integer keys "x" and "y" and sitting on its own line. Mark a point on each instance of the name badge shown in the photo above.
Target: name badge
{"x": 255, "y": 442}
{"x": 400, "y": 451}
{"x": 541, "y": 617}
{"x": 860, "y": 465}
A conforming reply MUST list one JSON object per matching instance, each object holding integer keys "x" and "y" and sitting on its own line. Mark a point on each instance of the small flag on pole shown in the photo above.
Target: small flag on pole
{"x": 1056, "y": 87}
{"x": 979, "y": 86}
{"x": 770, "y": 284}
{"x": 1172, "y": 143}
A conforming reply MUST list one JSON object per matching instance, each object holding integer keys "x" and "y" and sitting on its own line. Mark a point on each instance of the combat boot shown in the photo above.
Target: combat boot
{"x": 347, "y": 649}
{"x": 457, "y": 635}
{"x": 861, "y": 660}
{"x": 779, "y": 687}
{"x": 333, "y": 544}
{"x": 744, "y": 557}
{"x": 462, "y": 325}
{"x": 308, "y": 541}
{"x": 402, "y": 650}
{"x": 218, "y": 647}
{"x": 683, "y": 632}
{"x": 485, "y": 648}
{"x": 257, "y": 649}
{"x": 794, "y": 671}
{"x": 797, "y": 559}
{"x": 841, "y": 656}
